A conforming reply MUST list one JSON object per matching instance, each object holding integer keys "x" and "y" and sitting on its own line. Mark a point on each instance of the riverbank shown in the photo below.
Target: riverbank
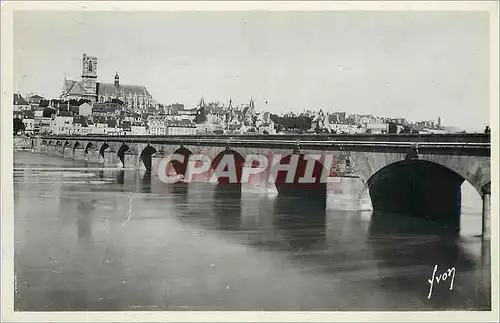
{"x": 21, "y": 143}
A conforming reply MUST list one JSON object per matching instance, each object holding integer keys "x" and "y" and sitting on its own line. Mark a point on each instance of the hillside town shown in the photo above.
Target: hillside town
{"x": 89, "y": 107}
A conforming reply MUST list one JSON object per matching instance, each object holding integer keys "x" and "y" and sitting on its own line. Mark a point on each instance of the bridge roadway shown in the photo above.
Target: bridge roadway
{"x": 419, "y": 175}
{"x": 456, "y": 144}
{"x": 449, "y": 137}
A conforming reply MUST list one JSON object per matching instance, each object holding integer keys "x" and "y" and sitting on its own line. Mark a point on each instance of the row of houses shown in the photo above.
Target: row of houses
{"x": 114, "y": 117}
{"x": 69, "y": 125}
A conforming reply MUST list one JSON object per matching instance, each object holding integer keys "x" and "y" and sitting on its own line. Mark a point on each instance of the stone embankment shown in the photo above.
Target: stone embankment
{"x": 21, "y": 143}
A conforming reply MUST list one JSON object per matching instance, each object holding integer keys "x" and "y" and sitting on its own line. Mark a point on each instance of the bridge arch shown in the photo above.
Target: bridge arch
{"x": 418, "y": 188}
{"x": 180, "y": 168}
{"x": 88, "y": 146}
{"x": 287, "y": 185}
{"x": 227, "y": 167}
{"x": 121, "y": 152}
{"x": 474, "y": 169}
{"x": 146, "y": 156}
{"x": 77, "y": 144}
{"x": 103, "y": 148}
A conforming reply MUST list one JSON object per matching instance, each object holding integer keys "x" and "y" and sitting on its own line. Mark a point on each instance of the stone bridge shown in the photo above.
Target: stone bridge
{"x": 419, "y": 175}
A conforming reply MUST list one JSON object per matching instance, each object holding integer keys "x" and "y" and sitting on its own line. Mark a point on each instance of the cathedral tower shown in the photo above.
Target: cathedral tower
{"x": 89, "y": 74}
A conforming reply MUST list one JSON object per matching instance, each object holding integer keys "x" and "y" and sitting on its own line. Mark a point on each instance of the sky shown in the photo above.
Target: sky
{"x": 418, "y": 65}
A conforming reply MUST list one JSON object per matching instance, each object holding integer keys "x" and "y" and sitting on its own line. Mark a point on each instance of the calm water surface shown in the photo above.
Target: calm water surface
{"x": 90, "y": 239}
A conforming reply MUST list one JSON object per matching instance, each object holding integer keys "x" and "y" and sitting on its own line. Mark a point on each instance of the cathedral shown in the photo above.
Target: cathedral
{"x": 136, "y": 97}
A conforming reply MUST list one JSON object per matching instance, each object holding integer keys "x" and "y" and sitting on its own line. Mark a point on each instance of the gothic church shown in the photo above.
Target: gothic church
{"x": 136, "y": 97}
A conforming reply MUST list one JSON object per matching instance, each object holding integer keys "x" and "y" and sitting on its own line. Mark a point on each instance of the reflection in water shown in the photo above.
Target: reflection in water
{"x": 407, "y": 249}
{"x": 384, "y": 222}
{"x": 83, "y": 245}
{"x": 227, "y": 206}
{"x": 85, "y": 209}
{"x": 120, "y": 177}
{"x": 300, "y": 220}
{"x": 145, "y": 185}
{"x": 179, "y": 192}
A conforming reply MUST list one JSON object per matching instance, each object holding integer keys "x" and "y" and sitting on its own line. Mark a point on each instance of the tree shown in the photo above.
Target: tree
{"x": 48, "y": 112}
{"x": 18, "y": 125}
{"x": 405, "y": 129}
{"x": 201, "y": 116}
{"x": 393, "y": 128}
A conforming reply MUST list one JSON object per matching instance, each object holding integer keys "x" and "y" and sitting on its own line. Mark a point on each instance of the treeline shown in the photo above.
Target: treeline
{"x": 18, "y": 125}
{"x": 291, "y": 123}
{"x": 393, "y": 128}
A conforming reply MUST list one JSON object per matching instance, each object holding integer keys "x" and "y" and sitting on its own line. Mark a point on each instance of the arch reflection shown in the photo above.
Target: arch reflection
{"x": 120, "y": 177}
{"x": 85, "y": 209}
{"x": 227, "y": 206}
{"x": 301, "y": 221}
{"x": 406, "y": 249}
{"x": 145, "y": 182}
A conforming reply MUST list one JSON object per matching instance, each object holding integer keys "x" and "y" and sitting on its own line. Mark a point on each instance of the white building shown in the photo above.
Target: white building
{"x": 209, "y": 128}
{"x": 138, "y": 129}
{"x": 80, "y": 130}
{"x": 29, "y": 126}
{"x": 345, "y": 128}
{"x": 42, "y": 125}
{"x": 180, "y": 128}
{"x": 39, "y": 112}
{"x": 98, "y": 129}
{"x": 181, "y": 131}
{"x": 157, "y": 126}
{"x": 377, "y": 128}
{"x": 61, "y": 125}
{"x": 267, "y": 128}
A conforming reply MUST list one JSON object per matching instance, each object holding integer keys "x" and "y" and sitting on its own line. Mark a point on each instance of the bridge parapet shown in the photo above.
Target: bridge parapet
{"x": 450, "y": 137}
{"x": 468, "y": 147}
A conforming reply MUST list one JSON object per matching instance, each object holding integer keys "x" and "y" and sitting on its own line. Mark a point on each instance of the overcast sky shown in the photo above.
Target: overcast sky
{"x": 418, "y": 65}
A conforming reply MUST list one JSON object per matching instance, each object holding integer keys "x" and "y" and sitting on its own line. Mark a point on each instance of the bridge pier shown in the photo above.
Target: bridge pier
{"x": 79, "y": 154}
{"x": 486, "y": 234}
{"x": 131, "y": 159}
{"x": 67, "y": 152}
{"x": 419, "y": 189}
{"x": 110, "y": 157}
{"x": 92, "y": 155}
{"x": 156, "y": 159}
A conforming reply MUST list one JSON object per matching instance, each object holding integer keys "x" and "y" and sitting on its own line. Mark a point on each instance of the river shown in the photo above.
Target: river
{"x": 88, "y": 238}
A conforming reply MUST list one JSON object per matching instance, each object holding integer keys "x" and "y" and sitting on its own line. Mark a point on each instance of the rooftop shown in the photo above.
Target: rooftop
{"x": 19, "y": 100}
